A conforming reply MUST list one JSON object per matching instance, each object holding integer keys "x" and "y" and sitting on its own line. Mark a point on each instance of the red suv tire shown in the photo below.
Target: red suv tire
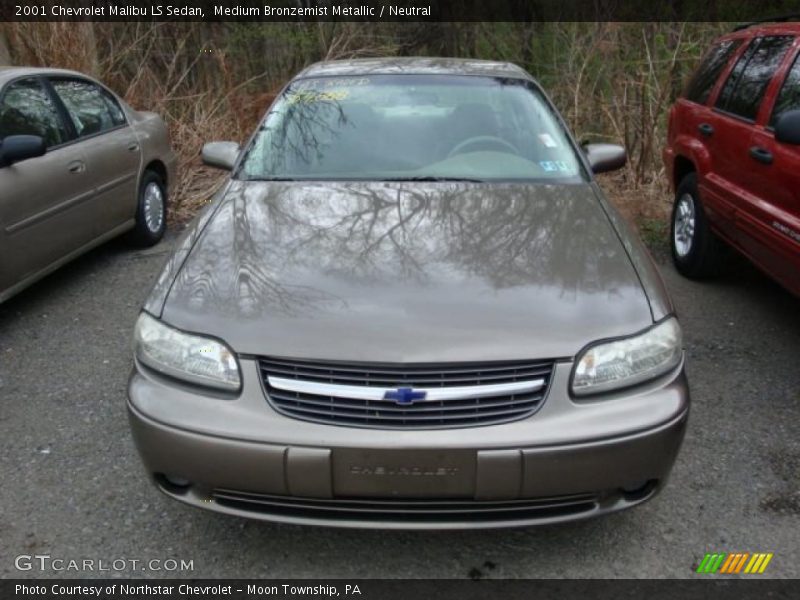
{"x": 696, "y": 250}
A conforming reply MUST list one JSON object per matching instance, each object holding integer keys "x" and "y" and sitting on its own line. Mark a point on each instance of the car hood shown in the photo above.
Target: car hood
{"x": 408, "y": 272}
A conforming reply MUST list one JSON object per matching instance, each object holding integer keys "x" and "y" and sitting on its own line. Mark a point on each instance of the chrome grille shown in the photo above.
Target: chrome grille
{"x": 457, "y": 395}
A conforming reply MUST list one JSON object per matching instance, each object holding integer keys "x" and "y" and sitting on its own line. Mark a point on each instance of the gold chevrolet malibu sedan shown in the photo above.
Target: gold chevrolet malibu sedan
{"x": 78, "y": 166}
{"x": 410, "y": 306}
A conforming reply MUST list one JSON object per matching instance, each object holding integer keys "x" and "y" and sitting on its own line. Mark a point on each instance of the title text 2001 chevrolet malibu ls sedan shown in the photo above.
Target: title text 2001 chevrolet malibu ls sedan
{"x": 410, "y": 306}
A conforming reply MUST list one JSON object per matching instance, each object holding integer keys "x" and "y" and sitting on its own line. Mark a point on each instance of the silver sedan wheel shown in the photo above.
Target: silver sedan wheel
{"x": 684, "y": 225}
{"x": 153, "y": 207}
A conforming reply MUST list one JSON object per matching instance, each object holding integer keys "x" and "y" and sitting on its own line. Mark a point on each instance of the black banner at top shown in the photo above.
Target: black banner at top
{"x": 396, "y": 10}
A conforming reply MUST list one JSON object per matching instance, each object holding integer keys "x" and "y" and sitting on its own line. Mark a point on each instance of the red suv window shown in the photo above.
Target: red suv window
{"x": 789, "y": 96}
{"x": 701, "y": 84}
{"x": 745, "y": 87}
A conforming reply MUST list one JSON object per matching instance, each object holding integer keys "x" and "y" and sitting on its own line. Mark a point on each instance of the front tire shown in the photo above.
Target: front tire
{"x": 151, "y": 211}
{"x": 696, "y": 250}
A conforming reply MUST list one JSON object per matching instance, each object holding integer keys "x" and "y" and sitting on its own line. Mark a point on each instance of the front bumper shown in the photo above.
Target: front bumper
{"x": 571, "y": 460}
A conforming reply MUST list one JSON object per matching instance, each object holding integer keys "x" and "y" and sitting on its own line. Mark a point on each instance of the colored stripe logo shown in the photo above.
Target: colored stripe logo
{"x": 732, "y": 563}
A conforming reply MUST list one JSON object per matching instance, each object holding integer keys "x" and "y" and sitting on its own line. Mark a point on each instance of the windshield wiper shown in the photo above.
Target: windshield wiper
{"x": 434, "y": 178}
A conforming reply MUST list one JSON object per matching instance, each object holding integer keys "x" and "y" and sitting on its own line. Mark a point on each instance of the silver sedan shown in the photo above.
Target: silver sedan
{"x": 410, "y": 306}
{"x": 78, "y": 166}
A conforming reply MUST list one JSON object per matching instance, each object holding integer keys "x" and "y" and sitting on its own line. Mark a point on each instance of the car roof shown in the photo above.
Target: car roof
{"x": 758, "y": 29}
{"x": 12, "y": 72}
{"x": 413, "y": 66}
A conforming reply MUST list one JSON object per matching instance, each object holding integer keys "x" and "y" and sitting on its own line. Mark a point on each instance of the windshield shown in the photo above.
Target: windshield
{"x": 415, "y": 127}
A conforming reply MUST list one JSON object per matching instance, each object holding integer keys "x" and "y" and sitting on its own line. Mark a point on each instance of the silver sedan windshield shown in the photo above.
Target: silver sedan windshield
{"x": 416, "y": 127}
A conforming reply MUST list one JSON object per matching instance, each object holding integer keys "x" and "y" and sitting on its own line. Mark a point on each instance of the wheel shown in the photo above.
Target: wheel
{"x": 151, "y": 211}
{"x": 696, "y": 250}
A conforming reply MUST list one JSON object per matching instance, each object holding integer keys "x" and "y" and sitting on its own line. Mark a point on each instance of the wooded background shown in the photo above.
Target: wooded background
{"x": 612, "y": 81}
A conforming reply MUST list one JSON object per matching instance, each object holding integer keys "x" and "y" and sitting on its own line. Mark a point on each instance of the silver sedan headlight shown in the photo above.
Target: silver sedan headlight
{"x": 193, "y": 358}
{"x": 628, "y": 361}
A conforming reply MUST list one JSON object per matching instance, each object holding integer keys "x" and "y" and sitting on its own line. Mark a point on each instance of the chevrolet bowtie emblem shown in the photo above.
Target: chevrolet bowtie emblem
{"x": 404, "y": 395}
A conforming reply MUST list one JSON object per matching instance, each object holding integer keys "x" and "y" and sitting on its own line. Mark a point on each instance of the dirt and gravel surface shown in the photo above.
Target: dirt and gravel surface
{"x": 72, "y": 486}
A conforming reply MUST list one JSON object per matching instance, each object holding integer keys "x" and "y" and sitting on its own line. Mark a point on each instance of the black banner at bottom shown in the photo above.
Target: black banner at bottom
{"x": 400, "y": 589}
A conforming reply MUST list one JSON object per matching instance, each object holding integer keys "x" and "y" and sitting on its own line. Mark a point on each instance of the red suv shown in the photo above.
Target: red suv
{"x": 733, "y": 155}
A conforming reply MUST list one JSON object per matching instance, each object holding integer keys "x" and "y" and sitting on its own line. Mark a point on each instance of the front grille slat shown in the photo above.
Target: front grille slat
{"x": 407, "y": 510}
{"x": 410, "y": 371}
{"x": 388, "y": 407}
{"x": 420, "y": 380}
{"x": 441, "y": 508}
{"x": 510, "y": 399}
{"x": 409, "y": 503}
{"x": 409, "y": 416}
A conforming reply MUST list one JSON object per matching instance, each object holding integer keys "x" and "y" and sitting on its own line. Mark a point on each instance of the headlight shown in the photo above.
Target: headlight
{"x": 189, "y": 357}
{"x": 617, "y": 364}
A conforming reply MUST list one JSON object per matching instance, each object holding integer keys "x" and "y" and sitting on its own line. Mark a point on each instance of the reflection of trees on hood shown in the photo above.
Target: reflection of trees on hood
{"x": 277, "y": 246}
{"x": 510, "y": 237}
{"x": 209, "y": 279}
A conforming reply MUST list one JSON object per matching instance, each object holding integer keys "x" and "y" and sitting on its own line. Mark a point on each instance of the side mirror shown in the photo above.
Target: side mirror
{"x": 787, "y": 129}
{"x": 221, "y": 155}
{"x": 16, "y": 148}
{"x": 605, "y": 157}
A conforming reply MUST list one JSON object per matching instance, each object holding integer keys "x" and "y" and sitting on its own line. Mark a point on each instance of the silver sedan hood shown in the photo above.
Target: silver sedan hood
{"x": 408, "y": 272}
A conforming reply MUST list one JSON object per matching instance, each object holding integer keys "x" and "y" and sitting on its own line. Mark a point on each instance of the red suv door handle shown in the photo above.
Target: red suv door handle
{"x": 762, "y": 155}
{"x": 706, "y": 129}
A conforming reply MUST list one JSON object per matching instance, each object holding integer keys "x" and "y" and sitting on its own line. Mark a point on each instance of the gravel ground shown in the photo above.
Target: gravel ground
{"x": 73, "y": 487}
